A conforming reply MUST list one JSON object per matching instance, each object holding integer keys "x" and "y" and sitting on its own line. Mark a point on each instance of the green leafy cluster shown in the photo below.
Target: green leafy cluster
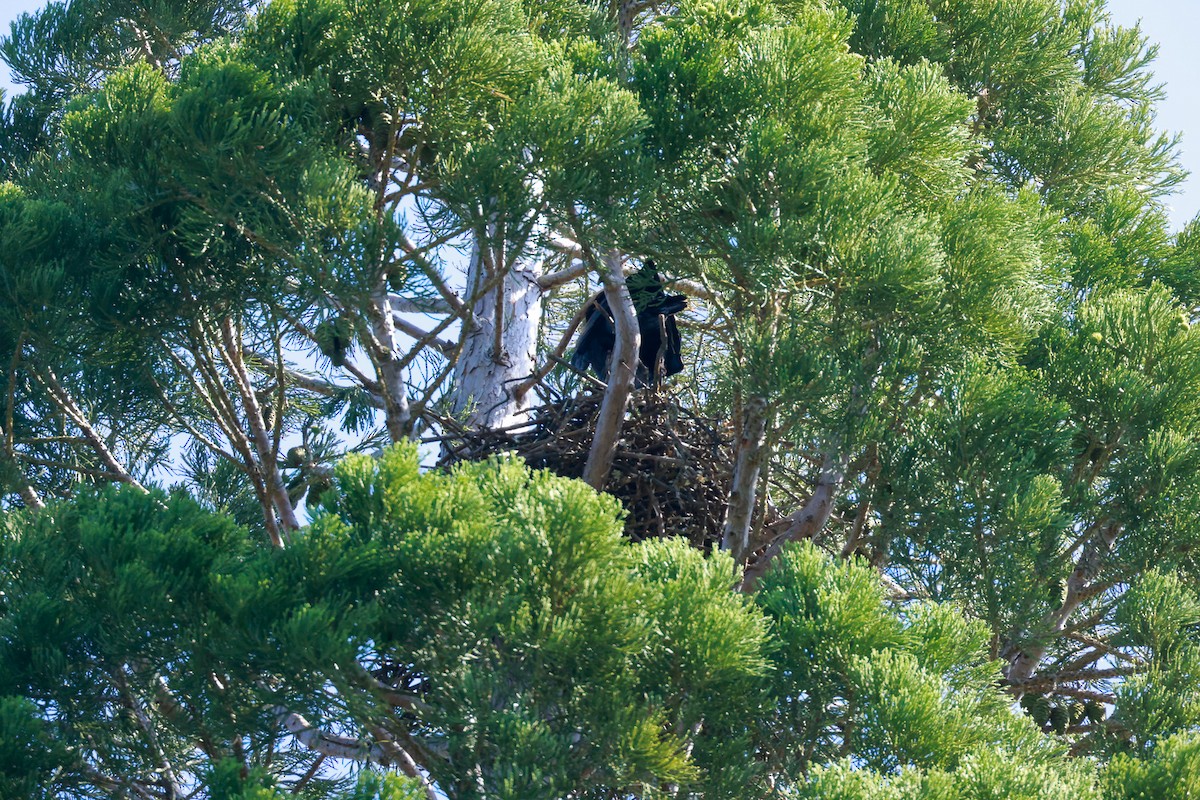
{"x": 543, "y": 655}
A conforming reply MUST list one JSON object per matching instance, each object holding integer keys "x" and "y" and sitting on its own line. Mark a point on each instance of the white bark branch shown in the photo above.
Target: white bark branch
{"x": 62, "y": 398}
{"x": 231, "y": 353}
{"x": 565, "y": 245}
{"x": 28, "y": 494}
{"x": 389, "y": 366}
{"x": 330, "y": 744}
{"x": 563, "y": 276}
{"x": 691, "y": 289}
{"x": 408, "y": 765}
{"x": 621, "y": 375}
{"x": 417, "y": 332}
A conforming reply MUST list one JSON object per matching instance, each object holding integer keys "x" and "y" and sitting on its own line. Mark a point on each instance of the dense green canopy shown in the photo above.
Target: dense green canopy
{"x": 251, "y": 253}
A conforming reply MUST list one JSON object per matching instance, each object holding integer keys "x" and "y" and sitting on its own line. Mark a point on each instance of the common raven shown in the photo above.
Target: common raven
{"x": 658, "y": 355}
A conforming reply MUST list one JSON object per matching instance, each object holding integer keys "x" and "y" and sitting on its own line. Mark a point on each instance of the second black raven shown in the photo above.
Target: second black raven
{"x": 659, "y": 353}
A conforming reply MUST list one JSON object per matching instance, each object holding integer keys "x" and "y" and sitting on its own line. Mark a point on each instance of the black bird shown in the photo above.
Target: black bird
{"x": 658, "y": 355}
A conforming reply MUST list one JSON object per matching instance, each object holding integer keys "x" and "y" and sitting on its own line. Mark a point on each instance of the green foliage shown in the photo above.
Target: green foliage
{"x": 548, "y": 649}
{"x": 500, "y": 568}
{"x": 926, "y": 237}
{"x": 1172, "y": 770}
{"x": 544, "y": 651}
{"x": 29, "y": 752}
{"x": 232, "y": 187}
{"x": 228, "y": 780}
{"x": 895, "y": 690}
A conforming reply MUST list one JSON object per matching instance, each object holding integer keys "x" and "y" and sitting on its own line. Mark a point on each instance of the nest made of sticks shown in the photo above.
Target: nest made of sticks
{"x": 671, "y": 473}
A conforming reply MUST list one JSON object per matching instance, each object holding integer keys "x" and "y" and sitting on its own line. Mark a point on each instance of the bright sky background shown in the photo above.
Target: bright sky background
{"x": 1171, "y": 23}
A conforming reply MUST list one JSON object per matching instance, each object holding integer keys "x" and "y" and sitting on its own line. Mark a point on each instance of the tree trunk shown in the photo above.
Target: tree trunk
{"x": 748, "y": 463}
{"x": 500, "y": 348}
{"x": 397, "y": 413}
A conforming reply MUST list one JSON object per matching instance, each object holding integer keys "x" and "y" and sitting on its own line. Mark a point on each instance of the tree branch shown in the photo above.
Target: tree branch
{"x": 329, "y": 744}
{"x": 553, "y": 280}
{"x": 420, "y": 305}
{"x": 804, "y": 523}
{"x": 68, "y": 406}
{"x": 621, "y": 374}
{"x": 1025, "y": 661}
{"x": 555, "y": 357}
{"x": 417, "y": 332}
{"x": 389, "y": 368}
{"x": 267, "y": 456}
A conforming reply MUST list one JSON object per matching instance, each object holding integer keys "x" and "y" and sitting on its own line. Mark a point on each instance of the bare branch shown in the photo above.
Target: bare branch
{"x": 565, "y": 245}
{"x": 45, "y": 375}
{"x": 133, "y": 705}
{"x": 1054, "y": 682}
{"x": 555, "y": 357}
{"x": 417, "y": 255}
{"x": 804, "y": 523}
{"x": 389, "y": 694}
{"x": 417, "y": 332}
{"x": 231, "y": 353}
{"x": 553, "y": 280}
{"x": 401, "y": 758}
{"x": 191, "y": 429}
{"x": 330, "y": 744}
{"x": 692, "y": 289}
{"x": 1080, "y": 587}
{"x": 366, "y": 382}
{"x": 420, "y": 305}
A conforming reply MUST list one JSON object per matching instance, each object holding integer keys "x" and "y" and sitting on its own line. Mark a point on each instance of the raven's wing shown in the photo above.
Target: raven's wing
{"x": 596, "y": 340}
{"x": 672, "y": 353}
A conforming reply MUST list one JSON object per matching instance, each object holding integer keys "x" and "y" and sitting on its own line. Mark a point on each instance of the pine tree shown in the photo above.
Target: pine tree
{"x": 934, "y": 295}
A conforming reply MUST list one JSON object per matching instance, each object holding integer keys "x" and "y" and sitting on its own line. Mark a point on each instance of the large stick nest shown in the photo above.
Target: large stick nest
{"x": 671, "y": 473}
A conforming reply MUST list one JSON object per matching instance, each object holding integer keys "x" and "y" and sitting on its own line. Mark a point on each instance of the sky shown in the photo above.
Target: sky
{"x": 1171, "y": 23}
